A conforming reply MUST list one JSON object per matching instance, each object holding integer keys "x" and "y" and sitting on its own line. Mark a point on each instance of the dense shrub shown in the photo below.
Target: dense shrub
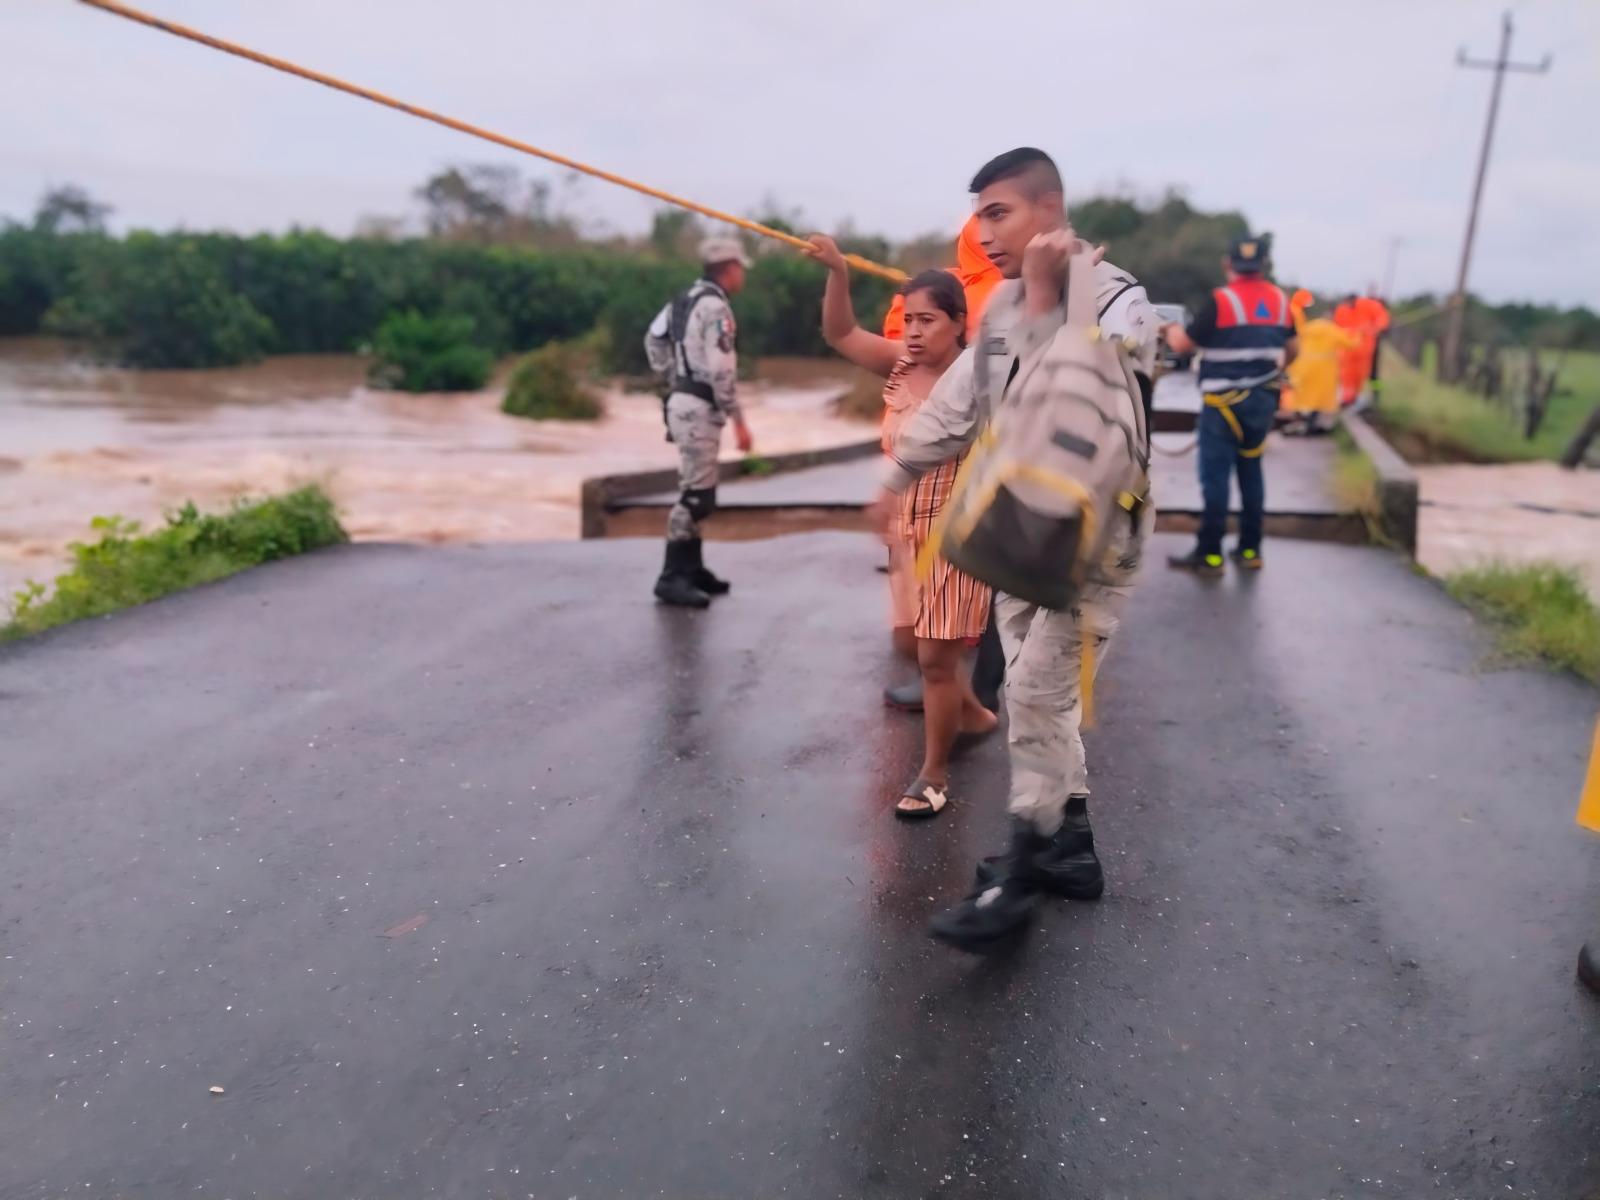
{"x": 780, "y": 310}
{"x": 552, "y": 384}
{"x": 34, "y": 271}
{"x": 158, "y": 302}
{"x": 415, "y": 353}
{"x": 636, "y": 298}
{"x": 126, "y": 567}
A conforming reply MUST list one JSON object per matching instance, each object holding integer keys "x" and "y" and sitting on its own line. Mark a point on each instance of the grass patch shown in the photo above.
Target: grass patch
{"x": 1431, "y": 421}
{"x": 1355, "y": 479}
{"x": 551, "y": 384}
{"x": 1540, "y": 611}
{"x": 1354, "y": 484}
{"x": 127, "y": 567}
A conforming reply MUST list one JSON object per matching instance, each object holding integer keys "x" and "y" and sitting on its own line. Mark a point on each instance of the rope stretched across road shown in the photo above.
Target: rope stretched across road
{"x": 278, "y": 64}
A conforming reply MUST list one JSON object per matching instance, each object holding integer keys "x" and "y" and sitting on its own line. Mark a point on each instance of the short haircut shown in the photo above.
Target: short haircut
{"x": 1034, "y": 171}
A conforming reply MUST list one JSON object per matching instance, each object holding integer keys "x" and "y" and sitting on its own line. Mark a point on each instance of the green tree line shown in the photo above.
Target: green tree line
{"x": 504, "y": 260}
{"x": 201, "y": 300}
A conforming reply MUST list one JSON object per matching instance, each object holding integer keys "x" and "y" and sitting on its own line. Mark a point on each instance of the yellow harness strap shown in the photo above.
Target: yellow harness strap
{"x": 1086, "y": 644}
{"x": 1223, "y": 402}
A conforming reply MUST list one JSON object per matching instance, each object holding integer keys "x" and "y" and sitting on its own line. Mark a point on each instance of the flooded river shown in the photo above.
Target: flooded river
{"x": 1516, "y": 512}
{"x": 79, "y": 441}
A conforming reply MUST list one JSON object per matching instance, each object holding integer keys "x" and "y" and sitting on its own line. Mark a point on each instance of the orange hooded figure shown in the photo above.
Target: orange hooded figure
{"x": 1366, "y": 317}
{"x": 978, "y": 278}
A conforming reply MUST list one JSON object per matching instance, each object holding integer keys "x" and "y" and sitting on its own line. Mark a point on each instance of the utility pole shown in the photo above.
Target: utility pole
{"x": 1450, "y": 359}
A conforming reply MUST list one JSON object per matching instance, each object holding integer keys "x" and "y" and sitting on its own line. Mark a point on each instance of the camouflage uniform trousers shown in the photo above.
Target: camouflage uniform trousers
{"x": 1044, "y": 704}
{"x": 696, "y": 428}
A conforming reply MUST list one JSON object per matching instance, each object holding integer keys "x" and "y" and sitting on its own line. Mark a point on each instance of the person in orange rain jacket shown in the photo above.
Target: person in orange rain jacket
{"x": 1367, "y": 318}
{"x": 978, "y": 278}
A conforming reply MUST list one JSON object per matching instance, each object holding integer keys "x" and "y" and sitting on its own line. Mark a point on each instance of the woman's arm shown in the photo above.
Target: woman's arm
{"x": 866, "y": 350}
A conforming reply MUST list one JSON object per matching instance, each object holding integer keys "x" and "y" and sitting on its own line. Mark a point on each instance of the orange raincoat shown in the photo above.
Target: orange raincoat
{"x": 978, "y": 278}
{"x": 1366, "y": 317}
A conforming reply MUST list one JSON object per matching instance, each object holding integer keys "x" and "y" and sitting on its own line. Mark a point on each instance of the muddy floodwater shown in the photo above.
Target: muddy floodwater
{"x": 79, "y": 441}
{"x": 1517, "y": 512}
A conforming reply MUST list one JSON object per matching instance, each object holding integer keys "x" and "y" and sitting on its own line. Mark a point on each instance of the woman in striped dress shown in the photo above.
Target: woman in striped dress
{"x": 937, "y": 618}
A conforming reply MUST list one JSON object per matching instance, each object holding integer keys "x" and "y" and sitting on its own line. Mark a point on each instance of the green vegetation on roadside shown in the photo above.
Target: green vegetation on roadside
{"x": 551, "y": 384}
{"x": 1431, "y": 420}
{"x": 415, "y": 353}
{"x": 1540, "y": 611}
{"x": 1355, "y": 480}
{"x": 127, "y": 567}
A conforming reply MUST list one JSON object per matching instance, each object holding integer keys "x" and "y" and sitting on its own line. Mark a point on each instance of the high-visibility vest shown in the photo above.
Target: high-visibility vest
{"x": 1253, "y": 325}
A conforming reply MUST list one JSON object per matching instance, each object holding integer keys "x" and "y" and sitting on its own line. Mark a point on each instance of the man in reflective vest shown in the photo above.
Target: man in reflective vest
{"x": 1245, "y": 335}
{"x": 691, "y": 345}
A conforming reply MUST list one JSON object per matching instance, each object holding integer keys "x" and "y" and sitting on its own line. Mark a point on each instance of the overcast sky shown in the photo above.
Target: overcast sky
{"x": 1337, "y": 128}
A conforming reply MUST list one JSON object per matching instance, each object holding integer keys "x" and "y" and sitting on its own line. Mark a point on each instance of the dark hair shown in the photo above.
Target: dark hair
{"x": 947, "y": 294}
{"x": 1033, "y": 167}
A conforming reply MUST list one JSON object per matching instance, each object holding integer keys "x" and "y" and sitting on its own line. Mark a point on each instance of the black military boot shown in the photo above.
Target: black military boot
{"x": 676, "y": 585}
{"x": 701, "y": 577}
{"x": 1067, "y": 866}
{"x": 993, "y": 912}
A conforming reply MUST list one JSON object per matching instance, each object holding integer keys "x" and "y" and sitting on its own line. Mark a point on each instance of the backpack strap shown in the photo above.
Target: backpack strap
{"x": 1080, "y": 291}
{"x": 1127, "y": 286}
{"x": 683, "y": 306}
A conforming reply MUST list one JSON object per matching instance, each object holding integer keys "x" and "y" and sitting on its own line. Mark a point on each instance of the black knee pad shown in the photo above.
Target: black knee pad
{"x": 701, "y": 502}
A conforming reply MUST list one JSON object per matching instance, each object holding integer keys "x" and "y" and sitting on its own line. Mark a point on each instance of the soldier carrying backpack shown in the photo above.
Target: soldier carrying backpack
{"x": 1052, "y": 510}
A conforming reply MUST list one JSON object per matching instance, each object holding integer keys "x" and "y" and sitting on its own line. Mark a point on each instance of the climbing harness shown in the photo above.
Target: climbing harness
{"x": 1223, "y": 402}
{"x": 561, "y": 160}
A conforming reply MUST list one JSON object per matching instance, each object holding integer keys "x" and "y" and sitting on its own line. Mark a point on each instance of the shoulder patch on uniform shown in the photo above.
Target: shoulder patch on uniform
{"x": 725, "y": 333}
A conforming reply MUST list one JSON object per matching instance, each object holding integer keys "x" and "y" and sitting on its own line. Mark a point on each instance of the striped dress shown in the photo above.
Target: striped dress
{"x": 949, "y": 605}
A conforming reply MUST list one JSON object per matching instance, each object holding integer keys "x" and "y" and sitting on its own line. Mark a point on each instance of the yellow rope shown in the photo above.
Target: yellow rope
{"x": 278, "y": 64}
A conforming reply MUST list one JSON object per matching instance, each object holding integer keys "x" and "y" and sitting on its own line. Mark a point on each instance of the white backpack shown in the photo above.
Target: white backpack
{"x": 1066, "y": 454}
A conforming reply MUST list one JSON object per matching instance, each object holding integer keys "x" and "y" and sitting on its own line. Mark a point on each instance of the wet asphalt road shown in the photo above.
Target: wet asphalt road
{"x": 468, "y": 872}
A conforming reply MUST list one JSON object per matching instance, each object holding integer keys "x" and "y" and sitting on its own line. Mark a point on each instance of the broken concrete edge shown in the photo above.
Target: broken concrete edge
{"x": 598, "y": 495}
{"x": 1397, "y": 483}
